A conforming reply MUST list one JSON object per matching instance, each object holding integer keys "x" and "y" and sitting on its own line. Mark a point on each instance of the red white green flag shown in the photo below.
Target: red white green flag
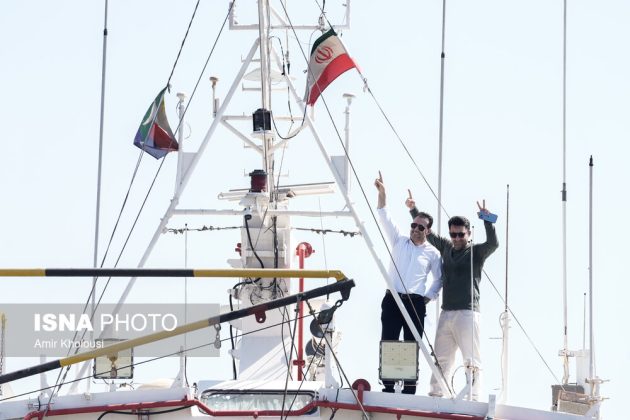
{"x": 154, "y": 135}
{"x": 329, "y": 59}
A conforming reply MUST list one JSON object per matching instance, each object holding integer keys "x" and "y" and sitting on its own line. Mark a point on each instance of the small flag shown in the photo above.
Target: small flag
{"x": 329, "y": 59}
{"x": 154, "y": 135}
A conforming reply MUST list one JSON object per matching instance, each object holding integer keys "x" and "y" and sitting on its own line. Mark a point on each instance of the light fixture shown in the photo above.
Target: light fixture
{"x": 118, "y": 365}
{"x": 398, "y": 361}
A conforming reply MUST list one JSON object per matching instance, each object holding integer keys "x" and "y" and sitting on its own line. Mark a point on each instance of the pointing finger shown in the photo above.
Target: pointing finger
{"x": 409, "y": 191}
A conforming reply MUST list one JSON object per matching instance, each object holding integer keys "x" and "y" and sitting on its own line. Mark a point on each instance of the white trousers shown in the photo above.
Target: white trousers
{"x": 457, "y": 329}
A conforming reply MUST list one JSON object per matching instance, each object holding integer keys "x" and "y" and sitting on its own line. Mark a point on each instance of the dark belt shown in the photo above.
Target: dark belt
{"x": 407, "y": 296}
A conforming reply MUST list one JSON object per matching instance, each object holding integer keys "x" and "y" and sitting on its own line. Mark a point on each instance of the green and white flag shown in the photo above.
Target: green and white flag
{"x": 154, "y": 135}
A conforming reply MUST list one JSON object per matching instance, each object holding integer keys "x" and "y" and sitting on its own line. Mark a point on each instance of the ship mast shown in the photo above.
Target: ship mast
{"x": 441, "y": 123}
{"x": 505, "y": 316}
{"x": 265, "y": 91}
{"x": 564, "y": 353}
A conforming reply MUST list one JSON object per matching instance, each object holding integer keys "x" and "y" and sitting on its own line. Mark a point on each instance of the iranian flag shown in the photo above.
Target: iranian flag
{"x": 329, "y": 59}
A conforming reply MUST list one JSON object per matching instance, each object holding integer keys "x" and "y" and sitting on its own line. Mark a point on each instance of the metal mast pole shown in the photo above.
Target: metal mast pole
{"x": 349, "y": 97}
{"x": 181, "y": 109}
{"x": 505, "y": 316}
{"x": 565, "y": 350}
{"x": 97, "y": 220}
{"x": 441, "y": 123}
{"x": 440, "y": 138}
{"x": 470, "y": 371}
{"x": 591, "y": 366}
{"x": 593, "y": 380}
{"x": 265, "y": 85}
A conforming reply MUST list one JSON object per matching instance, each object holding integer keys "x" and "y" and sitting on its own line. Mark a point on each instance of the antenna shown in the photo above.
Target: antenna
{"x": 440, "y": 138}
{"x": 565, "y": 349}
{"x": 591, "y": 371}
{"x": 507, "y": 231}
{"x": 97, "y": 216}
{"x": 441, "y": 123}
{"x": 505, "y": 316}
{"x": 584, "y": 324}
{"x": 472, "y": 283}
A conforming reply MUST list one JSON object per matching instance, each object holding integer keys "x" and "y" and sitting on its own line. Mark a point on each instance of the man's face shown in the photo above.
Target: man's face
{"x": 459, "y": 236}
{"x": 419, "y": 230}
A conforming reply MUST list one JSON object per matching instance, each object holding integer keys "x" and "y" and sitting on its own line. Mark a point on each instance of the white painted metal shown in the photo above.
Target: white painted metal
{"x": 505, "y": 331}
{"x": 564, "y": 353}
{"x": 180, "y": 137}
{"x": 504, "y": 319}
{"x": 235, "y": 26}
{"x": 278, "y": 212}
{"x": 591, "y": 365}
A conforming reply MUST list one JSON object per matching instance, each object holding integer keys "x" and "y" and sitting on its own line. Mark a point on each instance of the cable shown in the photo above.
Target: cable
{"x": 313, "y": 358}
{"x": 204, "y": 228}
{"x": 285, "y": 72}
{"x": 232, "y": 340}
{"x": 276, "y": 288}
{"x": 155, "y": 177}
{"x": 402, "y": 143}
{"x": 439, "y": 203}
{"x": 329, "y": 344}
{"x": 286, "y": 380}
{"x": 350, "y": 162}
{"x": 183, "y": 41}
{"x": 201, "y": 229}
{"x": 531, "y": 342}
{"x": 249, "y": 239}
{"x": 139, "y": 411}
{"x": 149, "y": 360}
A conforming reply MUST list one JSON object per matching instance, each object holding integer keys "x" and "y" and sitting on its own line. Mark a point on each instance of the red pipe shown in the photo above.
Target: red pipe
{"x": 100, "y": 408}
{"x": 186, "y": 402}
{"x": 303, "y": 250}
{"x": 397, "y": 411}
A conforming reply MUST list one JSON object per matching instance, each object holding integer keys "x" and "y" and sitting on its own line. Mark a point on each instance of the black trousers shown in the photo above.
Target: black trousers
{"x": 392, "y": 322}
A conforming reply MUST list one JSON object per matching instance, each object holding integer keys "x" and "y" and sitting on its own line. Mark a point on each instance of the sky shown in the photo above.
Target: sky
{"x": 503, "y": 125}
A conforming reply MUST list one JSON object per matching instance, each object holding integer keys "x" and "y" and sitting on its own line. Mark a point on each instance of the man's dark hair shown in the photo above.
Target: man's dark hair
{"x": 459, "y": 221}
{"x": 426, "y": 216}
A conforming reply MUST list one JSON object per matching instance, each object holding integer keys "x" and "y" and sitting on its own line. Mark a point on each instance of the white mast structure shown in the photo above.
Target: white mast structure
{"x": 593, "y": 380}
{"x": 564, "y": 353}
{"x": 259, "y": 204}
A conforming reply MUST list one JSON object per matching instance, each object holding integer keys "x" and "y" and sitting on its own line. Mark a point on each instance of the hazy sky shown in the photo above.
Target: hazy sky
{"x": 502, "y": 125}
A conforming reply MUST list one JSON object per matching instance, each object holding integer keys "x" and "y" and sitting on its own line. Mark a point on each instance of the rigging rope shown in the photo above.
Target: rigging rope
{"x": 289, "y": 374}
{"x": 204, "y": 228}
{"x": 329, "y": 344}
{"x": 156, "y": 174}
{"x": 285, "y": 72}
{"x": 531, "y": 342}
{"x": 402, "y": 143}
{"x": 363, "y": 193}
{"x": 183, "y": 42}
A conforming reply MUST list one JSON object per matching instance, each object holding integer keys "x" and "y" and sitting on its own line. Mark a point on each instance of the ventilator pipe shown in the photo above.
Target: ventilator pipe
{"x": 303, "y": 250}
{"x": 361, "y": 385}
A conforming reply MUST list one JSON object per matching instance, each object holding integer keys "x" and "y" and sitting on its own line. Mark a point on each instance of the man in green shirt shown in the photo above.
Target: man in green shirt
{"x": 458, "y": 326}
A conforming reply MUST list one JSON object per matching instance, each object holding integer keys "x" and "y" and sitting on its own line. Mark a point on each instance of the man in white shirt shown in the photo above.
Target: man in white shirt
{"x": 412, "y": 259}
